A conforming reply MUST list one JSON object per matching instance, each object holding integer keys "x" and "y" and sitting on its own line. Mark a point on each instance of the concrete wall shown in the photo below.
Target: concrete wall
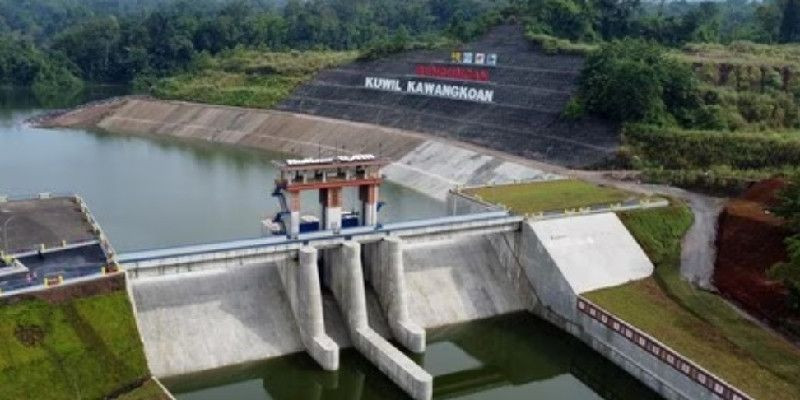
{"x": 302, "y": 286}
{"x": 460, "y": 204}
{"x": 347, "y": 284}
{"x": 456, "y": 280}
{"x": 386, "y": 273}
{"x": 206, "y": 320}
{"x": 550, "y": 285}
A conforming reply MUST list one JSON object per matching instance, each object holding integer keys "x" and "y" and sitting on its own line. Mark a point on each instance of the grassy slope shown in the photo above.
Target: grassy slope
{"x": 148, "y": 391}
{"x": 550, "y": 196}
{"x": 248, "y": 78}
{"x": 698, "y": 324}
{"x": 90, "y": 349}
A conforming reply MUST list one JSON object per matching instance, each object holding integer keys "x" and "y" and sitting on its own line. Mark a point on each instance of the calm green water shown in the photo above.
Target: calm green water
{"x": 504, "y": 358}
{"x": 154, "y": 193}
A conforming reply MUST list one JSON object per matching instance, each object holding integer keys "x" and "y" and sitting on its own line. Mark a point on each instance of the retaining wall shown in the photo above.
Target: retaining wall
{"x": 252, "y": 318}
{"x": 673, "y": 376}
{"x": 456, "y": 279}
{"x": 429, "y": 166}
{"x": 302, "y": 286}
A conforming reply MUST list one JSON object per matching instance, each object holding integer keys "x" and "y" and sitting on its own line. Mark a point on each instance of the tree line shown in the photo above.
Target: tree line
{"x": 114, "y": 42}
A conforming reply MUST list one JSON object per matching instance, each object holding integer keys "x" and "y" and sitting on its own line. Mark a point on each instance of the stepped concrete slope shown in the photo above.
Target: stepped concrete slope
{"x": 430, "y": 166}
{"x": 530, "y": 90}
{"x": 457, "y": 280}
{"x": 206, "y": 320}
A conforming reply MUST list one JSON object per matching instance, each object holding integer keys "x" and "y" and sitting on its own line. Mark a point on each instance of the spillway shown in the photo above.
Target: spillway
{"x": 206, "y": 320}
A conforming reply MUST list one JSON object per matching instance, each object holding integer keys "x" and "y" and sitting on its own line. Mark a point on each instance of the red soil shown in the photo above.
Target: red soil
{"x": 750, "y": 241}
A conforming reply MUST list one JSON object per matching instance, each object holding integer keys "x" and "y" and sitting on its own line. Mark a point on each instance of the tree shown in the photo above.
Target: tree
{"x": 789, "y": 272}
{"x": 614, "y": 17}
{"x": 632, "y": 80}
{"x": 790, "y": 23}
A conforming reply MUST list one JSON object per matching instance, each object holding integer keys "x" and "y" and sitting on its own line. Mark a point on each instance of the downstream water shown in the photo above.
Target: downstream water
{"x": 155, "y": 193}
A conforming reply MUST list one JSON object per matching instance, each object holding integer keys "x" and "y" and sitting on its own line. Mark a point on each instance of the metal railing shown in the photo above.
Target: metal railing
{"x": 662, "y": 352}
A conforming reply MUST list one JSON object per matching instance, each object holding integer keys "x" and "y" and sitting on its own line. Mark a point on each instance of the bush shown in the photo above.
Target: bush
{"x": 573, "y": 110}
{"x": 633, "y": 81}
{"x": 685, "y": 149}
{"x": 789, "y": 272}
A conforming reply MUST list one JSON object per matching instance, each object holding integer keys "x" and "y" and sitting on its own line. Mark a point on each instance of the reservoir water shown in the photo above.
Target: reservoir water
{"x": 158, "y": 193}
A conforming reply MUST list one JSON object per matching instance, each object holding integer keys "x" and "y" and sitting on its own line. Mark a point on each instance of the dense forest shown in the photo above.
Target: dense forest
{"x": 60, "y": 43}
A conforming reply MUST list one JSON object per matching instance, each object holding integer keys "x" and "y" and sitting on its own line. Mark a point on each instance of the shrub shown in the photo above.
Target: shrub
{"x": 789, "y": 272}
{"x": 685, "y": 149}
{"x": 633, "y": 81}
{"x": 573, "y": 110}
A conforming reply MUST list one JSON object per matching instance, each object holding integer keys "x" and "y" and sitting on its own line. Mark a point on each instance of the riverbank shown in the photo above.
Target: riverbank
{"x": 427, "y": 165}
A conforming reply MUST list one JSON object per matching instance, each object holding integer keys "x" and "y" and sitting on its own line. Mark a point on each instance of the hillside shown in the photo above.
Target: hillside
{"x": 523, "y": 117}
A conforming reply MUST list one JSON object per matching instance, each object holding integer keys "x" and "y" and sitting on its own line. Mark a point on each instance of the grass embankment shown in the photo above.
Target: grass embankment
{"x": 698, "y": 324}
{"x": 87, "y": 348}
{"x": 555, "y": 195}
{"x": 248, "y": 78}
{"x": 150, "y": 390}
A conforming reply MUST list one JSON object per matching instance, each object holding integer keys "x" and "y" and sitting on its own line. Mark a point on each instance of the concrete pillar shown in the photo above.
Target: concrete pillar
{"x": 294, "y": 215}
{"x": 387, "y": 275}
{"x": 331, "y": 201}
{"x": 347, "y": 285}
{"x": 302, "y": 286}
{"x": 368, "y": 195}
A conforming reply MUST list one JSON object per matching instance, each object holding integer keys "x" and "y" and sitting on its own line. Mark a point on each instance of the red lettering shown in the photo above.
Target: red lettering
{"x": 452, "y": 72}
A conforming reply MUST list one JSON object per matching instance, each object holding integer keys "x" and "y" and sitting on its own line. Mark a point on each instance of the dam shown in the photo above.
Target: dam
{"x": 238, "y": 180}
{"x": 385, "y": 310}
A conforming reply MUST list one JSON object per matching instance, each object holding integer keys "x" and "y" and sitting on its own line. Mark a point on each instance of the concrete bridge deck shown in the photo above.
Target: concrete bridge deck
{"x": 498, "y": 221}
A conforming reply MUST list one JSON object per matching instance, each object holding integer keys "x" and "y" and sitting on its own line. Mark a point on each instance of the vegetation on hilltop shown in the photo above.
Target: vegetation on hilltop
{"x": 789, "y": 272}
{"x": 247, "y": 78}
{"x": 99, "y": 43}
{"x": 698, "y": 324}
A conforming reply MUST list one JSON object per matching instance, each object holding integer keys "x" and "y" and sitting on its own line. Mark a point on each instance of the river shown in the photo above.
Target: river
{"x": 150, "y": 193}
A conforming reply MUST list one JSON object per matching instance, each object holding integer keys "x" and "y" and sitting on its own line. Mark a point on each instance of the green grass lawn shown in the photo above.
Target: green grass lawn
{"x": 698, "y": 324}
{"x": 555, "y": 195}
{"x": 248, "y": 78}
{"x": 81, "y": 349}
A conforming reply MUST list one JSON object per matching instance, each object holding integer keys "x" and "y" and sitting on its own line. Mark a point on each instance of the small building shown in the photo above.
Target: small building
{"x": 329, "y": 176}
{"x": 46, "y": 240}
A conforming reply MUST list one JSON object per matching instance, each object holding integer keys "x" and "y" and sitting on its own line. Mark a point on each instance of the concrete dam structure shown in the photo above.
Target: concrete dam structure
{"x": 201, "y": 308}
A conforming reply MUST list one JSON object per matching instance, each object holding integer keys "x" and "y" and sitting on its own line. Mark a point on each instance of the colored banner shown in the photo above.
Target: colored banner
{"x": 452, "y": 72}
{"x": 458, "y": 57}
